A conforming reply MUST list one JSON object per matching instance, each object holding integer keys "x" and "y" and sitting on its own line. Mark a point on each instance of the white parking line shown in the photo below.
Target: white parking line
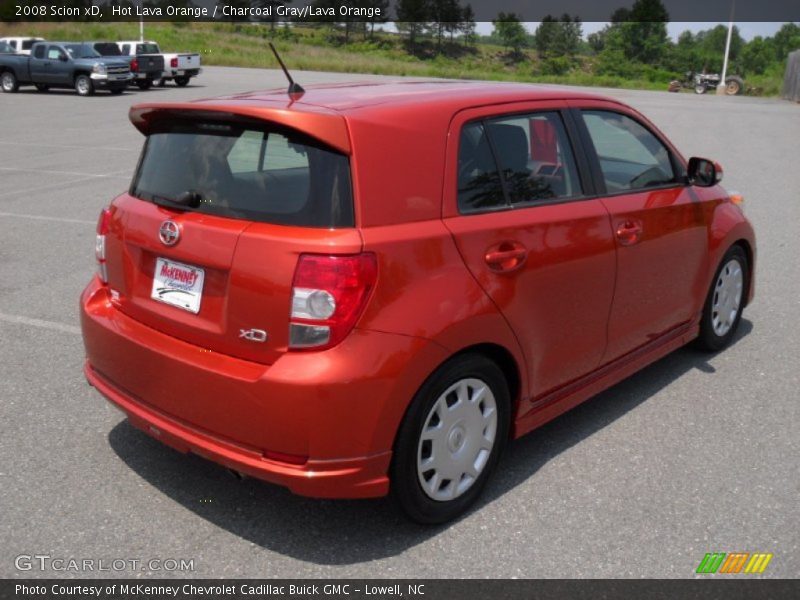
{"x": 49, "y": 186}
{"x": 73, "y": 173}
{"x": 40, "y": 323}
{"x": 33, "y": 145}
{"x": 43, "y": 218}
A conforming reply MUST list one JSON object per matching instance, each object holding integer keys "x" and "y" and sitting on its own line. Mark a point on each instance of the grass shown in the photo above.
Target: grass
{"x": 312, "y": 48}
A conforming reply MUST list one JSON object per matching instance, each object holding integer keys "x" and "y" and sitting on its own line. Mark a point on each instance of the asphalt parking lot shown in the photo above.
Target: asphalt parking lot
{"x": 698, "y": 453}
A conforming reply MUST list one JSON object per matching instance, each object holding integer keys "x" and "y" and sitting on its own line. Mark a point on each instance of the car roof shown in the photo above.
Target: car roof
{"x": 350, "y": 97}
{"x": 322, "y": 110}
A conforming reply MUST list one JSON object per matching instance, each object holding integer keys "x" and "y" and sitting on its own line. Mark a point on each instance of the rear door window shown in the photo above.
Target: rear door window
{"x": 263, "y": 174}
{"x": 631, "y": 157}
{"x": 39, "y": 51}
{"x": 535, "y": 158}
{"x": 518, "y": 160}
{"x": 479, "y": 185}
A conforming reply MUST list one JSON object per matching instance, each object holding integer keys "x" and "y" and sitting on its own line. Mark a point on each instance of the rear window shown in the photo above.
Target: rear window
{"x": 107, "y": 49}
{"x": 147, "y": 49}
{"x": 263, "y": 174}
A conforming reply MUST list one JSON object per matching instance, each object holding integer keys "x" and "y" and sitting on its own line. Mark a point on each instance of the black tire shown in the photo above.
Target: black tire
{"x": 734, "y": 86}
{"x": 8, "y": 82}
{"x": 144, "y": 84}
{"x": 405, "y": 477}
{"x": 711, "y": 339}
{"x": 41, "y": 87}
{"x": 159, "y": 82}
{"x": 182, "y": 81}
{"x": 84, "y": 85}
{"x": 116, "y": 91}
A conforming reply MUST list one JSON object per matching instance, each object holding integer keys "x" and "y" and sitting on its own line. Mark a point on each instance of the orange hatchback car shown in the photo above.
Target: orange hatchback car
{"x": 370, "y": 286}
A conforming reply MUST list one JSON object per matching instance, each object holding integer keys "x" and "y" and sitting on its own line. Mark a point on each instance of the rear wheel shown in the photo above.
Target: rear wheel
{"x": 723, "y": 308}
{"x": 144, "y": 84}
{"x": 700, "y": 88}
{"x": 84, "y": 85}
{"x": 9, "y": 83}
{"x": 734, "y": 86}
{"x": 451, "y": 439}
{"x": 42, "y": 87}
{"x": 182, "y": 81}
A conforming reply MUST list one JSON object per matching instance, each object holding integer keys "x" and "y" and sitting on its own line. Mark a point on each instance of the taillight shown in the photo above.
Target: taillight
{"x": 103, "y": 224}
{"x": 328, "y": 296}
{"x": 174, "y": 63}
{"x": 134, "y": 65}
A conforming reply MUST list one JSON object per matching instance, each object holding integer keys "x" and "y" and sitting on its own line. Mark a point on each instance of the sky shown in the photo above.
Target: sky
{"x": 748, "y": 30}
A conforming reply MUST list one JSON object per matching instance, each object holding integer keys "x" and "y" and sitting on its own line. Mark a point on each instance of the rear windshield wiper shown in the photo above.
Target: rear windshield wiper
{"x": 187, "y": 199}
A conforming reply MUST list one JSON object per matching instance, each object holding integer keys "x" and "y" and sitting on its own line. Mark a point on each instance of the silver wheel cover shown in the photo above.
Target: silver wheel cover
{"x": 457, "y": 438}
{"x": 727, "y": 300}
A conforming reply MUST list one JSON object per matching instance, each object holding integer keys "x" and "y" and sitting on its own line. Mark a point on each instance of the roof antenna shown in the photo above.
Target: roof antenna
{"x": 294, "y": 88}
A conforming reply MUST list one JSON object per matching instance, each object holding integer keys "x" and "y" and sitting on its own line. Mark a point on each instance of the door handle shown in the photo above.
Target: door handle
{"x": 629, "y": 232}
{"x": 506, "y": 256}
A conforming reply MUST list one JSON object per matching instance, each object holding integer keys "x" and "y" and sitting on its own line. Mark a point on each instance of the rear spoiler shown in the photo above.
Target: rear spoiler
{"x": 321, "y": 124}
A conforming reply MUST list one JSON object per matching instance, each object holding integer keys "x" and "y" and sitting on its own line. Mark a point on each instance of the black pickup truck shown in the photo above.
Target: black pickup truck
{"x": 64, "y": 65}
{"x": 146, "y": 68}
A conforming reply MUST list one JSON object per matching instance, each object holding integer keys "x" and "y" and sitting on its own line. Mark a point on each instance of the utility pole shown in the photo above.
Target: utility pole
{"x": 141, "y": 23}
{"x": 721, "y": 86}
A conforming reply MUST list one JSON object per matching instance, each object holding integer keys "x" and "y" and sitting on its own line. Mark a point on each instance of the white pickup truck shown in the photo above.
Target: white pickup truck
{"x": 21, "y": 45}
{"x": 179, "y": 67}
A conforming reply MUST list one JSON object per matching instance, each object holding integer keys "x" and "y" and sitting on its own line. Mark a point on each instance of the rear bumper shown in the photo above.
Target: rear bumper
{"x": 354, "y": 478}
{"x": 172, "y": 73}
{"x": 339, "y": 409}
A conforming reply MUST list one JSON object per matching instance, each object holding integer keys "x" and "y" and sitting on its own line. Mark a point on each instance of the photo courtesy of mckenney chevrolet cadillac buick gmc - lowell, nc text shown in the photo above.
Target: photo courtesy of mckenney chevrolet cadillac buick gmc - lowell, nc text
{"x": 280, "y": 294}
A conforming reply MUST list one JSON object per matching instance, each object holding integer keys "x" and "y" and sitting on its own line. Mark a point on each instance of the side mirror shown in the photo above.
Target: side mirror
{"x": 703, "y": 172}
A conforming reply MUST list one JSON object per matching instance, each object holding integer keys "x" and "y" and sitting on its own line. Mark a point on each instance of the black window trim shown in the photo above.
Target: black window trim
{"x": 582, "y": 163}
{"x": 596, "y": 171}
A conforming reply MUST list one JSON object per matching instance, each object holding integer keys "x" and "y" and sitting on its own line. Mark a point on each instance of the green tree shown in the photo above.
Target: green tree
{"x": 645, "y": 33}
{"x": 596, "y": 41}
{"x": 558, "y": 37}
{"x": 757, "y": 55}
{"x": 383, "y": 5}
{"x": 445, "y": 15}
{"x": 509, "y": 28}
{"x": 413, "y": 18}
{"x": 711, "y": 47}
{"x": 568, "y": 36}
{"x": 545, "y": 35}
{"x": 786, "y": 40}
{"x": 467, "y": 26}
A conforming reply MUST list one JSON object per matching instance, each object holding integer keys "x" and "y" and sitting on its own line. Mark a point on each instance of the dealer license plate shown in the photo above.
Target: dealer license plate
{"x": 178, "y": 284}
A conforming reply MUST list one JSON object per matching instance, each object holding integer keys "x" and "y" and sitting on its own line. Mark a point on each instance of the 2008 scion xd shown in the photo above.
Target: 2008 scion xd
{"x": 373, "y": 286}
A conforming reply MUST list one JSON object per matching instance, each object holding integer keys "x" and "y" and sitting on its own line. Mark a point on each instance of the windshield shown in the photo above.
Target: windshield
{"x": 272, "y": 175}
{"x": 147, "y": 49}
{"x": 6, "y": 49}
{"x": 81, "y": 51}
{"x": 107, "y": 49}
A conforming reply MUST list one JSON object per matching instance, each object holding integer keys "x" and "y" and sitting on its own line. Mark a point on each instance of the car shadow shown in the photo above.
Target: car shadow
{"x": 342, "y": 532}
